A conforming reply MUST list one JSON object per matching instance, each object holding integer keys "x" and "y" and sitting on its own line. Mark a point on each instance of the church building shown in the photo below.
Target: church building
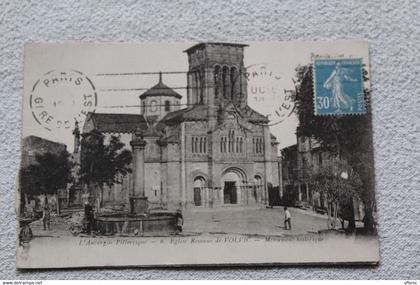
{"x": 215, "y": 152}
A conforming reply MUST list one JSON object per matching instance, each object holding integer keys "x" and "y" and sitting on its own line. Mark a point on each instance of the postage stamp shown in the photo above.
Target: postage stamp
{"x": 338, "y": 86}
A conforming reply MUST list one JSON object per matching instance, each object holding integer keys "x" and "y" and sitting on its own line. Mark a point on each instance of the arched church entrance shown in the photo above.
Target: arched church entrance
{"x": 258, "y": 188}
{"x": 199, "y": 184}
{"x": 232, "y": 183}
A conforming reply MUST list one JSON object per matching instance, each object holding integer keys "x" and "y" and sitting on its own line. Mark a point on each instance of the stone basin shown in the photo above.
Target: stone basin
{"x": 160, "y": 224}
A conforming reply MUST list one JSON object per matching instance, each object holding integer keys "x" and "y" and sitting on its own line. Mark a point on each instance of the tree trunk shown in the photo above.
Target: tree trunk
{"x": 335, "y": 215}
{"x": 101, "y": 196}
{"x": 368, "y": 221}
{"x": 352, "y": 223}
{"x": 329, "y": 215}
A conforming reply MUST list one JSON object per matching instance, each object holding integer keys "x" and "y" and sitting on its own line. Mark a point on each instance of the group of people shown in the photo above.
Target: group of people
{"x": 89, "y": 218}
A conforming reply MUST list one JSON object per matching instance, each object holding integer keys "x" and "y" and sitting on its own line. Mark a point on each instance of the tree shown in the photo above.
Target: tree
{"x": 102, "y": 164}
{"x": 348, "y": 137}
{"x": 49, "y": 173}
{"x": 337, "y": 183}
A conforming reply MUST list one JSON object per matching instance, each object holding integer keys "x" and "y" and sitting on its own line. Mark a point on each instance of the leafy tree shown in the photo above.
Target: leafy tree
{"x": 102, "y": 164}
{"x": 348, "y": 137}
{"x": 49, "y": 173}
{"x": 337, "y": 183}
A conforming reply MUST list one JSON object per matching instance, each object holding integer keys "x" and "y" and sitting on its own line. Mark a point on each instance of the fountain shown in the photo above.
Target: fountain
{"x": 139, "y": 221}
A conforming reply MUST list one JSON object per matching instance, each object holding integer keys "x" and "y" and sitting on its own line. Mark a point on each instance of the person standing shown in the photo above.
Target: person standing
{"x": 287, "y": 219}
{"x": 89, "y": 217}
{"x": 46, "y": 217}
{"x": 179, "y": 220}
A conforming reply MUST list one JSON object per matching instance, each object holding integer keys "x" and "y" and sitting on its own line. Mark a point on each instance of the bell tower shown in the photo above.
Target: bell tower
{"x": 216, "y": 74}
{"x": 159, "y": 101}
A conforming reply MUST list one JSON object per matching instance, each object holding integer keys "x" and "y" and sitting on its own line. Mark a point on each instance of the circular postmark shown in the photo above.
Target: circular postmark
{"x": 267, "y": 93}
{"x": 59, "y": 98}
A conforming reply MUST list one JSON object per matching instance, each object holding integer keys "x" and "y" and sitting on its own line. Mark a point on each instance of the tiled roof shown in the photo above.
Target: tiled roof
{"x": 117, "y": 123}
{"x": 253, "y": 116}
{"x": 204, "y": 44}
{"x": 199, "y": 113}
{"x": 160, "y": 89}
{"x": 194, "y": 113}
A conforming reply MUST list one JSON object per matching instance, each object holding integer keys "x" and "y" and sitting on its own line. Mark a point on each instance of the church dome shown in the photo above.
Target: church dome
{"x": 160, "y": 89}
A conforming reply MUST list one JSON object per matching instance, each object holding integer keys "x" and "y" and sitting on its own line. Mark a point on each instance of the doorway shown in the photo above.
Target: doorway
{"x": 197, "y": 196}
{"x": 199, "y": 185}
{"x": 229, "y": 193}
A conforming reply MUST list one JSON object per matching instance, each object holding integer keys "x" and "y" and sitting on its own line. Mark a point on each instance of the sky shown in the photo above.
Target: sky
{"x": 120, "y": 72}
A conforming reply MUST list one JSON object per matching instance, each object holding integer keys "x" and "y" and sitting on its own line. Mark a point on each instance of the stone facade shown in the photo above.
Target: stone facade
{"x": 217, "y": 151}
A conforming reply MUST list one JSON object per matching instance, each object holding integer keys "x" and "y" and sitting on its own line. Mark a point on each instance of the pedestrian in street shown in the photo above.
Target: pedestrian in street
{"x": 46, "y": 218}
{"x": 25, "y": 234}
{"x": 89, "y": 218}
{"x": 287, "y": 219}
{"x": 179, "y": 221}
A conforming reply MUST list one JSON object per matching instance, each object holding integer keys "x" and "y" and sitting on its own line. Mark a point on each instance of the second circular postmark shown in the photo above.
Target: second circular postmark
{"x": 267, "y": 92}
{"x": 61, "y": 97}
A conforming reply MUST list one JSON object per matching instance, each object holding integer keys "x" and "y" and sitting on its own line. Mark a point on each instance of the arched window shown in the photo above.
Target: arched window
{"x": 258, "y": 145}
{"x": 217, "y": 81}
{"x": 201, "y": 145}
{"x": 197, "y": 87}
{"x": 241, "y": 144}
{"x": 192, "y": 145}
{"x": 224, "y": 144}
{"x": 205, "y": 145}
{"x": 201, "y": 90}
{"x": 225, "y": 81}
{"x": 221, "y": 144}
{"x": 196, "y": 144}
{"x": 153, "y": 106}
{"x": 233, "y": 82}
{"x": 231, "y": 141}
{"x": 167, "y": 106}
{"x": 237, "y": 144}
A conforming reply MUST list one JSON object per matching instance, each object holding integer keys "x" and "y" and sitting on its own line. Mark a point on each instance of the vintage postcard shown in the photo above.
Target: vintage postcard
{"x": 210, "y": 153}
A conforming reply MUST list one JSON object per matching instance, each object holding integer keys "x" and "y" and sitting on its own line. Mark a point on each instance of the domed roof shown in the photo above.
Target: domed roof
{"x": 160, "y": 89}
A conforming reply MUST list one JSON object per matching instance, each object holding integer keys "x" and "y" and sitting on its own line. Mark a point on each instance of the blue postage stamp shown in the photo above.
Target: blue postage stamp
{"x": 338, "y": 86}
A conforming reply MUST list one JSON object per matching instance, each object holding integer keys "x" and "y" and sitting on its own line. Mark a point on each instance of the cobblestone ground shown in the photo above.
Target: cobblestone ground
{"x": 251, "y": 221}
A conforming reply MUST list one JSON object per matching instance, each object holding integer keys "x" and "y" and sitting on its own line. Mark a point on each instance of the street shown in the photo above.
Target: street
{"x": 233, "y": 230}
{"x": 253, "y": 221}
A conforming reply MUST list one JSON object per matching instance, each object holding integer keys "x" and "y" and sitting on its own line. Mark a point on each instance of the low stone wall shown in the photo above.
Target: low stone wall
{"x": 137, "y": 225}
